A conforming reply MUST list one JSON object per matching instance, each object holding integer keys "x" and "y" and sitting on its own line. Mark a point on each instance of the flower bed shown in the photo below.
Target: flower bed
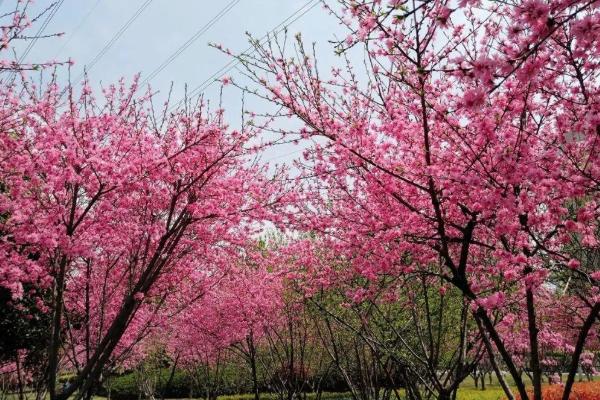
{"x": 581, "y": 391}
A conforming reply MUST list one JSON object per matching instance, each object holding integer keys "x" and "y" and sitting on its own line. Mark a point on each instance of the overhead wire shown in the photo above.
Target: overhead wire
{"x": 295, "y": 16}
{"x": 77, "y": 28}
{"x": 41, "y": 30}
{"x": 115, "y": 38}
{"x": 53, "y": 10}
{"x": 284, "y": 155}
{"x": 224, "y": 11}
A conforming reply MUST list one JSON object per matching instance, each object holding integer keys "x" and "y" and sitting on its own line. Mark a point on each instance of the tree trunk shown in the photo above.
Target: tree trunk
{"x": 252, "y": 359}
{"x": 170, "y": 380}
{"x": 485, "y": 323}
{"x": 534, "y": 347}
{"x": 492, "y": 357}
{"x": 583, "y": 334}
{"x": 444, "y": 395}
{"x": 19, "y": 377}
{"x": 90, "y": 374}
{"x": 55, "y": 339}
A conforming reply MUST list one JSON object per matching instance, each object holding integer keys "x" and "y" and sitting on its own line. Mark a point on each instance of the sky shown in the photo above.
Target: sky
{"x": 161, "y": 28}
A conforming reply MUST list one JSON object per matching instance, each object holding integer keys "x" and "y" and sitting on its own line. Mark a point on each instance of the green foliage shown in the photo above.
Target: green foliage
{"x": 274, "y": 396}
{"x": 494, "y": 393}
{"x": 126, "y": 387}
{"x": 24, "y": 327}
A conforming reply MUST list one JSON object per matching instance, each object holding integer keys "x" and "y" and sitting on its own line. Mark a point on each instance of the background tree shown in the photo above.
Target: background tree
{"x": 102, "y": 189}
{"x": 469, "y": 137}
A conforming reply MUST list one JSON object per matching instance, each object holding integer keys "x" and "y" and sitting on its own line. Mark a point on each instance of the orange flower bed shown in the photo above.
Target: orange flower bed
{"x": 581, "y": 391}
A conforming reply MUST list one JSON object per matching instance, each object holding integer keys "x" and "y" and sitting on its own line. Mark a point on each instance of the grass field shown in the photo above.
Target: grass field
{"x": 467, "y": 391}
{"x": 493, "y": 391}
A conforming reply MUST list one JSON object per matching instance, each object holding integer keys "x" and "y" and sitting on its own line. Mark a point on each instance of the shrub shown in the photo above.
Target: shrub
{"x": 581, "y": 391}
{"x": 125, "y": 387}
{"x": 274, "y": 396}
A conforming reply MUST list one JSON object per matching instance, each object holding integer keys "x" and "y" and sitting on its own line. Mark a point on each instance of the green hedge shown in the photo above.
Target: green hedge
{"x": 273, "y": 396}
{"x": 125, "y": 387}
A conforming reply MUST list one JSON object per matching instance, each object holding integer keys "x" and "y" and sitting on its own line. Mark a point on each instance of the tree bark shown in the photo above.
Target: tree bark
{"x": 55, "y": 339}
{"x": 90, "y": 374}
{"x": 583, "y": 333}
{"x": 534, "y": 346}
{"x": 252, "y": 359}
{"x": 19, "y": 376}
{"x": 170, "y": 380}
{"x": 490, "y": 350}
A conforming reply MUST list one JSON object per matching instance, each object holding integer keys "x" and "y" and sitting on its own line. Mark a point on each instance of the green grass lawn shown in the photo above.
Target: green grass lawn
{"x": 492, "y": 393}
{"x": 467, "y": 391}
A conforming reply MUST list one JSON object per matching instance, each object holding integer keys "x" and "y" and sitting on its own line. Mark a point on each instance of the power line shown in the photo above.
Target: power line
{"x": 115, "y": 37}
{"x": 251, "y": 50}
{"x": 53, "y": 9}
{"x": 190, "y": 41}
{"x": 284, "y": 155}
{"x": 77, "y": 28}
{"x": 41, "y": 30}
{"x": 296, "y": 15}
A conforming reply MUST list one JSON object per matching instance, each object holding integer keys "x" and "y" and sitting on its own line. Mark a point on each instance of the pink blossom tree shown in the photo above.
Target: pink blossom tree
{"x": 467, "y": 150}
{"x": 100, "y": 197}
{"x": 232, "y": 315}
